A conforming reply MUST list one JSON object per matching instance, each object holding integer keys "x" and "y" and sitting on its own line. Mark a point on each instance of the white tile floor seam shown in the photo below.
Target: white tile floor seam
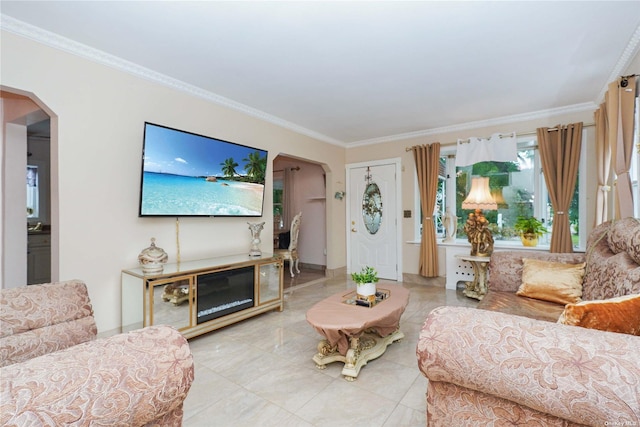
{"x": 259, "y": 372}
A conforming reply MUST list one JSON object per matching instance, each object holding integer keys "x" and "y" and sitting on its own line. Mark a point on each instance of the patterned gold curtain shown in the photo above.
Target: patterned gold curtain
{"x": 560, "y": 156}
{"x": 427, "y": 159}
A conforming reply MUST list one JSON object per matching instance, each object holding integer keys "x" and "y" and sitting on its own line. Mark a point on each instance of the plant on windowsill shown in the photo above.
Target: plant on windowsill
{"x": 530, "y": 230}
{"x": 366, "y": 281}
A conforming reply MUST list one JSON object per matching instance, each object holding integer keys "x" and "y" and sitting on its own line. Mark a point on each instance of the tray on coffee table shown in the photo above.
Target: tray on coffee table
{"x": 352, "y": 298}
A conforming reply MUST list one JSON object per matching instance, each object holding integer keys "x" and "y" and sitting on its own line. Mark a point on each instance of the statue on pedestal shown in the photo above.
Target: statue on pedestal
{"x": 450, "y": 223}
{"x": 470, "y": 229}
{"x": 479, "y": 234}
{"x": 483, "y": 237}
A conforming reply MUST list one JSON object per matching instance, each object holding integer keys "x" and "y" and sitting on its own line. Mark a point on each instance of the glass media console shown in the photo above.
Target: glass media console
{"x": 199, "y": 296}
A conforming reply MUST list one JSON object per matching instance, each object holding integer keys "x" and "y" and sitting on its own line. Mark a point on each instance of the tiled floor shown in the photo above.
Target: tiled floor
{"x": 306, "y": 275}
{"x": 260, "y": 373}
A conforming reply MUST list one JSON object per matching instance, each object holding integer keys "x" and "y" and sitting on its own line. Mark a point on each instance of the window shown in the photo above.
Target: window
{"x": 33, "y": 193}
{"x": 278, "y": 198}
{"x": 441, "y": 197}
{"x": 518, "y": 187}
{"x": 441, "y": 201}
{"x": 514, "y": 185}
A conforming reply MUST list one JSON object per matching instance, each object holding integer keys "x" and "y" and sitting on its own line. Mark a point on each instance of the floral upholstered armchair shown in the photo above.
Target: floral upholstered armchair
{"x": 513, "y": 363}
{"x": 54, "y": 372}
{"x": 489, "y": 368}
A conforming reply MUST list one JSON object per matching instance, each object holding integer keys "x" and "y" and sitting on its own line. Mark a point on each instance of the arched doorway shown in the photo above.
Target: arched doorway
{"x": 27, "y": 147}
{"x": 300, "y": 186}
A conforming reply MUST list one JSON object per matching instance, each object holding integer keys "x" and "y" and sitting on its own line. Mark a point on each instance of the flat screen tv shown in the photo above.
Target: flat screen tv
{"x": 185, "y": 174}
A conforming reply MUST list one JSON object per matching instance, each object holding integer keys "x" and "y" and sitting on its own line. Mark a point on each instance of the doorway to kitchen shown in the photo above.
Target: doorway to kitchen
{"x": 27, "y": 237}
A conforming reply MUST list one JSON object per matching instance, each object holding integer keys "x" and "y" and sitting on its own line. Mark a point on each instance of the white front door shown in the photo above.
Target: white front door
{"x": 373, "y": 228}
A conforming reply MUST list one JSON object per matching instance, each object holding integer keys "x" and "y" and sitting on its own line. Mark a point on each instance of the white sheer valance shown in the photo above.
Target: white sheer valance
{"x": 497, "y": 148}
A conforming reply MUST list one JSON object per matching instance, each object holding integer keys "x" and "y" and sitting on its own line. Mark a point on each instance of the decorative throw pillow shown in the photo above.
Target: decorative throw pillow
{"x": 633, "y": 247}
{"x": 624, "y": 236}
{"x": 621, "y": 314}
{"x": 551, "y": 281}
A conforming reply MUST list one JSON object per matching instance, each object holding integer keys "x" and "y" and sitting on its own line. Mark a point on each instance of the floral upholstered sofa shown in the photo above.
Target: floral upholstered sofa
{"x": 54, "y": 372}
{"x": 511, "y": 363}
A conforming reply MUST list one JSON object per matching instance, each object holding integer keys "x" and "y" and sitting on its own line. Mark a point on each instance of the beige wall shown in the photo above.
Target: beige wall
{"x": 100, "y": 114}
{"x": 634, "y": 66}
{"x": 410, "y": 250}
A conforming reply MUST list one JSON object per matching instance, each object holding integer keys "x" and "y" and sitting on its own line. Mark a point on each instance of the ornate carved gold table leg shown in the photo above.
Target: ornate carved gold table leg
{"x": 352, "y": 359}
{"x": 326, "y": 354}
{"x": 470, "y": 286}
{"x": 481, "y": 288}
{"x": 478, "y": 287}
{"x": 363, "y": 348}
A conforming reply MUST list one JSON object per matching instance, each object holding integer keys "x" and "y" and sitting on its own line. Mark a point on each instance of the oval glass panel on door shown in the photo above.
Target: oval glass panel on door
{"x": 372, "y": 208}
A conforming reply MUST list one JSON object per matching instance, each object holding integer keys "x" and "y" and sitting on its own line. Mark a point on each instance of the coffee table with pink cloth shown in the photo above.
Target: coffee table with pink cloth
{"x": 355, "y": 334}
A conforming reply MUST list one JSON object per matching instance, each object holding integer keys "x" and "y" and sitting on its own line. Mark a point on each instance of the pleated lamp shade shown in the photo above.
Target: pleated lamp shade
{"x": 480, "y": 196}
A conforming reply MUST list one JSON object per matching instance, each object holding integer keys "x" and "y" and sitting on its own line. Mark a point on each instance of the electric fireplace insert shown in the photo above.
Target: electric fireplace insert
{"x": 224, "y": 292}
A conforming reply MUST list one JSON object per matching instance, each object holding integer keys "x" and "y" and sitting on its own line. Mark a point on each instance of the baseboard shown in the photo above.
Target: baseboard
{"x": 313, "y": 266}
{"x": 421, "y": 280}
{"x": 110, "y": 333}
{"x": 336, "y": 272}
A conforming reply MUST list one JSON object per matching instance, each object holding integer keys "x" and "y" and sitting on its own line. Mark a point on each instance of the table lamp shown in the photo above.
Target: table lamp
{"x": 477, "y": 226}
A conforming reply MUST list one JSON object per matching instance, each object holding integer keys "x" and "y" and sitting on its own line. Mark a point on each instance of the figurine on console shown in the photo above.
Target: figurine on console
{"x": 152, "y": 258}
{"x": 255, "y": 228}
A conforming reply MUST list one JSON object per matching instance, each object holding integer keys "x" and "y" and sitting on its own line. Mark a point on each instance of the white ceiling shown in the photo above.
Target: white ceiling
{"x": 353, "y": 73}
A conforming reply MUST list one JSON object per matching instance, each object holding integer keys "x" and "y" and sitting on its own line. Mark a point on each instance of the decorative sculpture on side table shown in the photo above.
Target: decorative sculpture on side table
{"x": 255, "y": 228}
{"x": 479, "y": 235}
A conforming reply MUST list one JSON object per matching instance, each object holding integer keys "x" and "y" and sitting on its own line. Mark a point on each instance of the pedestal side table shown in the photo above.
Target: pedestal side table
{"x": 478, "y": 287}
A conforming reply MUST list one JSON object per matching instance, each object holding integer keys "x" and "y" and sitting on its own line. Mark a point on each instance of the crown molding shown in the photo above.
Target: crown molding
{"x": 56, "y": 41}
{"x": 625, "y": 59}
{"x": 62, "y": 43}
{"x": 576, "y": 108}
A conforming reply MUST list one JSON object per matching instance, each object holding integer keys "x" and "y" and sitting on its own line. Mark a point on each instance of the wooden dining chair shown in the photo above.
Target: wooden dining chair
{"x": 291, "y": 253}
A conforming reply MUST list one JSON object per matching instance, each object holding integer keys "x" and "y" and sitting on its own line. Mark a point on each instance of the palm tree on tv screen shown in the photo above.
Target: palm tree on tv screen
{"x": 256, "y": 166}
{"x": 229, "y": 167}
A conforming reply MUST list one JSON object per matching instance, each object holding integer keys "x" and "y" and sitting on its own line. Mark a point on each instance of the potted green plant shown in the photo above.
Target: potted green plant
{"x": 366, "y": 281}
{"x": 530, "y": 229}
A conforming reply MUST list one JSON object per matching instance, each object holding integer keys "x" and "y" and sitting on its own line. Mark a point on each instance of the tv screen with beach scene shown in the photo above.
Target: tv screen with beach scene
{"x": 185, "y": 174}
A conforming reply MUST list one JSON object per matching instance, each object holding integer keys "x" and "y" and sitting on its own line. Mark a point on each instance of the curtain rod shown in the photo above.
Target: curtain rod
{"x": 295, "y": 168}
{"x": 624, "y": 80}
{"x": 530, "y": 133}
{"x": 500, "y": 135}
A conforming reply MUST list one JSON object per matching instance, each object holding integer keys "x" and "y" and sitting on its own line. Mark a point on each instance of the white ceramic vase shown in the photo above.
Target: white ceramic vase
{"x": 366, "y": 289}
